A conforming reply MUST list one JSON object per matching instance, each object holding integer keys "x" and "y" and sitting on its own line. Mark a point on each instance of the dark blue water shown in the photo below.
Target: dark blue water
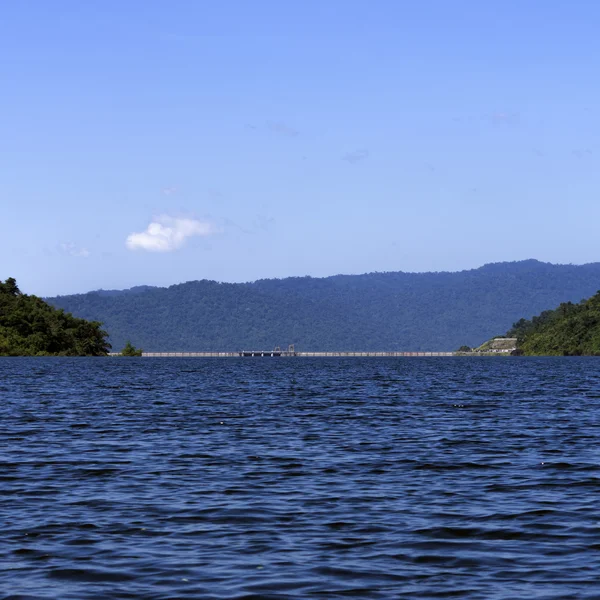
{"x": 297, "y": 478}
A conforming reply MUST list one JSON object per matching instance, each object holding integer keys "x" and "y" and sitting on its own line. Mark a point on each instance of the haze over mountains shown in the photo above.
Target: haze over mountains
{"x": 376, "y": 311}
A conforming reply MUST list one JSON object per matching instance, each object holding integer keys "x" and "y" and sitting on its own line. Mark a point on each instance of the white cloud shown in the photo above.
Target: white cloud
{"x": 71, "y": 249}
{"x": 166, "y": 234}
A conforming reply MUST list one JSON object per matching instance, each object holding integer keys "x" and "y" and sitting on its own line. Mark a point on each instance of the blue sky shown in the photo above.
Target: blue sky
{"x": 151, "y": 142}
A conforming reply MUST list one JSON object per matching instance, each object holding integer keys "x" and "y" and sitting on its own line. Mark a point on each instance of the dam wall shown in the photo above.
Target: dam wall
{"x": 286, "y": 354}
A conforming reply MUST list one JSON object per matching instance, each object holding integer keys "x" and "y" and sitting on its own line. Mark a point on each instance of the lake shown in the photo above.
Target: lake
{"x": 298, "y": 478}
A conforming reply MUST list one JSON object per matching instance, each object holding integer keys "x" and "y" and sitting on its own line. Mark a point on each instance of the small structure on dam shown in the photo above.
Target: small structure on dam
{"x": 269, "y": 353}
{"x": 499, "y": 345}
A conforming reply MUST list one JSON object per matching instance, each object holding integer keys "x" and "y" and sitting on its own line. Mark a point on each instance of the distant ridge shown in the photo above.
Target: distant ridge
{"x": 375, "y": 311}
{"x": 133, "y": 290}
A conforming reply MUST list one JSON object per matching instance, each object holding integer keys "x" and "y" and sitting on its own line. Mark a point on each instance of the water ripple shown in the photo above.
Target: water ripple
{"x": 380, "y": 478}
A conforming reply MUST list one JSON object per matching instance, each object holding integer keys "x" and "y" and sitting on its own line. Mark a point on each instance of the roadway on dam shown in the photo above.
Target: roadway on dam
{"x": 285, "y": 354}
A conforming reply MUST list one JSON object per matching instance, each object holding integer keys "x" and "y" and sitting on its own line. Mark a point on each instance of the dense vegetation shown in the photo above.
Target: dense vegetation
{"x": 31, "y": 327}
{"x": 390, "y": 311}
{"x": 570, "y": 330}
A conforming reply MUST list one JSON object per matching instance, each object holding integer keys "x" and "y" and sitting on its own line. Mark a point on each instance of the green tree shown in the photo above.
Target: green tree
{"x": 131, "y": 350}
{"x": 10, "y": 287}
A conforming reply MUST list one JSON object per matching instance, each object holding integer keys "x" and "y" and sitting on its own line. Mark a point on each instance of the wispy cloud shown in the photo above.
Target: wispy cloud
{"x": 504, "y": 118}
{"x": 71, "y": 249}
{"x": 264, "y": 222}
{"x": 282, "y": 129}
{"x": 356, "y": 155}
{"x": 582, "y": 153}
{"x": 165, "y": 234}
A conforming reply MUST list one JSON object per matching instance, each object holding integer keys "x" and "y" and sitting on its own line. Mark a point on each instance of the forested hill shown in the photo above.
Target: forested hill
{"x": 31, "y": 327}
{"x": 570, "y": 330}
{"x": 377, "y": 311}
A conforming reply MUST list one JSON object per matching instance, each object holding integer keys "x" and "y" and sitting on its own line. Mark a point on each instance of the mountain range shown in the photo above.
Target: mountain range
{"x": 399, "y": 311}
